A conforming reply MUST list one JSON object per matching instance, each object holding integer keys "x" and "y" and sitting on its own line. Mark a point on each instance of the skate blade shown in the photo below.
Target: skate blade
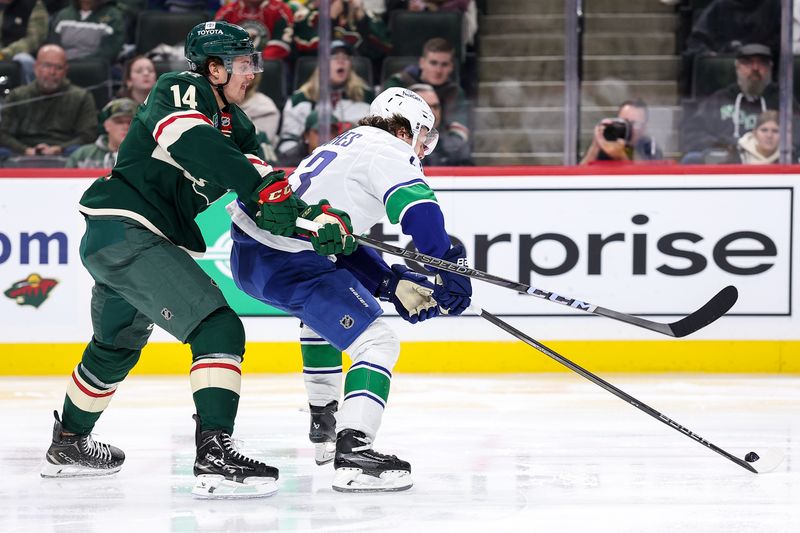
{"x": 217, "y": 487}
{"x": 354, "y": 480}
{"x": 324, "y": 452}
{"x": 49, "y": 470}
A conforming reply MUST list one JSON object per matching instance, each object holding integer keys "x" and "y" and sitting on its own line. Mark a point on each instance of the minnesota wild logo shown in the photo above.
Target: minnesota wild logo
{"x": 32, "y": 290}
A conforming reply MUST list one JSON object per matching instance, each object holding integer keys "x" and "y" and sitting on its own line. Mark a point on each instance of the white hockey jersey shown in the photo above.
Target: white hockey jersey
{"x": 366, "y": 172}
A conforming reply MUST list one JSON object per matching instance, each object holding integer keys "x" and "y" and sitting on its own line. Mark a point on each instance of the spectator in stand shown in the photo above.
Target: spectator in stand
{"x": 49, "y": 116}
{"x": 435, "y": 68}
{"x": 138, "y": 77}
{"x": 23, "y": 29}
{"x": 116, "y": 117}
{"x": 310, "y": 140}
{"x": 261, "y": 109}
{"x": 760, "y": 146}
{"x": 89, "y": 28}
{"x": 453, "y": 148}
{"x": 350, "y": 98}
{"x": 270, "y": 24}
{"x": 351, "y": 23}
{"x": 724, "y": 116}
{"x": 637, "y": 147}
{"x": 725, "y": 25}
{"x": 265, "y": 116}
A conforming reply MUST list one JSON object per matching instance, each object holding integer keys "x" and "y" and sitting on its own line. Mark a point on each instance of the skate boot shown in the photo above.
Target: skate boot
{"x": 323, "y": 432}
{"x": 359, "y": 468}
{"x": 223, "y": 472}
{"x": 79, "y": 456}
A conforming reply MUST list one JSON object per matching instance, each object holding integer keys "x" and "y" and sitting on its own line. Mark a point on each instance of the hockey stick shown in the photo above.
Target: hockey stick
{"x": 708, "y": 313}
{"x": 767, "y": 461}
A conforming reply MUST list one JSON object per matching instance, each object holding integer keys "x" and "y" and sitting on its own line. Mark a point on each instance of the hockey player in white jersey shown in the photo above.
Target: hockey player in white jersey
{"x": 372, "y": 171}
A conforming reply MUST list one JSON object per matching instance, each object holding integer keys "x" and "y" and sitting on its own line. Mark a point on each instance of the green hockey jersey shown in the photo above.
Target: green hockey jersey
{"x": 180, "y": 155}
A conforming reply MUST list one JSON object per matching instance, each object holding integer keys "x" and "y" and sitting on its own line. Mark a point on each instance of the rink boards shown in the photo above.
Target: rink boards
{"x": 657, "y": 243}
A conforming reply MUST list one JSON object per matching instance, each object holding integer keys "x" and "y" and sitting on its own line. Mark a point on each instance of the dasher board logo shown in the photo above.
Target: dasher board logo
{"x": 215, "y": 223}
{"x": 33, "y": 290}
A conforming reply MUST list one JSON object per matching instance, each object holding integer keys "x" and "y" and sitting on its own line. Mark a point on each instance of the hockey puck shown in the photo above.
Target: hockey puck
{"x": 751, "y": 457}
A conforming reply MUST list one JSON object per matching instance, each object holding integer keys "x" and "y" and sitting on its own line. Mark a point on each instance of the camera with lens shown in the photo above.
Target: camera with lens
{"x": 618, "y": 128}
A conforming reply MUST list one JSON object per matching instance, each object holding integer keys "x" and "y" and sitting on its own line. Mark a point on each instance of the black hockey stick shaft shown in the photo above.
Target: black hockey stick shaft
{"x": 708, "y": 313}
{"x": 619, "y": 393}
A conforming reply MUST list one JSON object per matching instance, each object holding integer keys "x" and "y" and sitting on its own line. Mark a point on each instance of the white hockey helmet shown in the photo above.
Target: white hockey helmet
{"x": 409, "y": 105}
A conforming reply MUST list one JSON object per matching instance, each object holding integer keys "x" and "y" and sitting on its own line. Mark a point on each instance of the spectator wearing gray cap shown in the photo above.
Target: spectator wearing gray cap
{"x": 116, "y": 117}
{"x": 724, "y": 116}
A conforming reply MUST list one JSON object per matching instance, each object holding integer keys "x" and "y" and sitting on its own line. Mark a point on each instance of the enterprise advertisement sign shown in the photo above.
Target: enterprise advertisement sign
{"x": 649, "y": 245}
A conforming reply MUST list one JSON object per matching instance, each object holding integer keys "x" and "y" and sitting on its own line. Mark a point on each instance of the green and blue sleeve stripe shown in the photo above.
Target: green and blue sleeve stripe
{"x": 403, "y": 196}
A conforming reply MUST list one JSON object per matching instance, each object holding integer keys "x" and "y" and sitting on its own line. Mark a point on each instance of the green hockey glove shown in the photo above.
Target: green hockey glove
{"x": 334, "y": 235}
{"x": 278, "y": 207}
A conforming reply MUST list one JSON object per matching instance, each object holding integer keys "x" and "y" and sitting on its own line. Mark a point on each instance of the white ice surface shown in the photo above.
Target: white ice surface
{"x": 533, "y": 453}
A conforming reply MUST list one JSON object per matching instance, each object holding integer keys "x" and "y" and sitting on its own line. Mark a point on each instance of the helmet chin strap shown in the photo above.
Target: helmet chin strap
{"x": 220, "y": 87}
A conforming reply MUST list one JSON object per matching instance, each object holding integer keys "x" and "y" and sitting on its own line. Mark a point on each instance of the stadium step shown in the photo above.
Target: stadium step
{"x": 549, "y": 7}
{"x": 593, "y": 93}
{"x": 551, "y": 68}
{"x": 602, "y": 23}
{"x": 595, "y": 44}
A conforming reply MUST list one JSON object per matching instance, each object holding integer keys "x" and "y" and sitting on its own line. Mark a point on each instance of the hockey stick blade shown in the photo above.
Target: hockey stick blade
{"x": 712, "y": 310}
{"x": 767, "y": 461}
{"x": 708, "y": 313}
{"x": 757, "y": 464}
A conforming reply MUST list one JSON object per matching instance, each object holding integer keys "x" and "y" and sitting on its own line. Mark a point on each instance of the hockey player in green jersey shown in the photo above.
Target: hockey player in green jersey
{"x": 187, "y": 146}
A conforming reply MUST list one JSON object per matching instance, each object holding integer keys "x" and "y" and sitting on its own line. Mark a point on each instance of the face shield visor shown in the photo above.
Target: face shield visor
{"x": 244, "y": 65}
{"x": 429, "y": 139}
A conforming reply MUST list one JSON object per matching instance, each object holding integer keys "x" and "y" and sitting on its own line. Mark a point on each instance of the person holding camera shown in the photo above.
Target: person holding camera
{"x": 623, "y": 138}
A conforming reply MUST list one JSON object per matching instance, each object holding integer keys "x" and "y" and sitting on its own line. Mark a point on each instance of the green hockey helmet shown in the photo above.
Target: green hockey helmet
{"x": 225, "y": 41}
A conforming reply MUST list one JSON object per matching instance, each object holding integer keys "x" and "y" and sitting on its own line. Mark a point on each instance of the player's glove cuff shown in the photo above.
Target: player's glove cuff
{"x": 453, "y": 291}
{"x": 278, "y": 207}
{"x": 410, "y": 293}
{"x": 335, "y": 234}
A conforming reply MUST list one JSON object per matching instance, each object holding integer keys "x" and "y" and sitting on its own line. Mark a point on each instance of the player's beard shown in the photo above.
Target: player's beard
{"x": 753, "y": 85}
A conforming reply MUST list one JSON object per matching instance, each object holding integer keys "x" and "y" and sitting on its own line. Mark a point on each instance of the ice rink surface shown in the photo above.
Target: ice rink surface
{"x": 536, "y": 453}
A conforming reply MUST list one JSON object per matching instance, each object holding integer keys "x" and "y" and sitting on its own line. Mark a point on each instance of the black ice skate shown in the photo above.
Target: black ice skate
{"x": 359, "y": 468}
{"x": 79, "y": 455}
{"x": 223, "y": 472}
{"x": 323, "y": 432}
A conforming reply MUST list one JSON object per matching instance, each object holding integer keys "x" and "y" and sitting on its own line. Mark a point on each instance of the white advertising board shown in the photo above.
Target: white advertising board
{"x": 656, "y": 245}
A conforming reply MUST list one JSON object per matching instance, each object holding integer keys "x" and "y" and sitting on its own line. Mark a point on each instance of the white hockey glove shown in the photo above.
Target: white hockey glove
{"x": 410, "y": 293}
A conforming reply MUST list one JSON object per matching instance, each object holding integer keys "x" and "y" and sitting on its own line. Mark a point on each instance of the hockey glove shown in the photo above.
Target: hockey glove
{"x": 335, "y": 233}
{"x": 410, "y": 293}
{"x": 453, "y": 290}
{"x": 278, "y": 207}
